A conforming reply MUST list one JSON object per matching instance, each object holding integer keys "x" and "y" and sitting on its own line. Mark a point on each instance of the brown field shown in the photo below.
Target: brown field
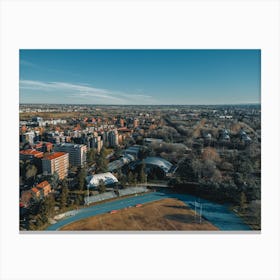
{"x": 51, "y": 115}
{"x": 166, "y": 214}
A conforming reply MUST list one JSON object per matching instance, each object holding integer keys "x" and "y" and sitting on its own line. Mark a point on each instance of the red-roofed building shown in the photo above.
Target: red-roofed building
{"x": 44, "y": 187}
{"x": 30, "y": 154}
{"x": 56, "y": 162}
{"x": 38, "y": 192}
{"x": 35, "y": 193}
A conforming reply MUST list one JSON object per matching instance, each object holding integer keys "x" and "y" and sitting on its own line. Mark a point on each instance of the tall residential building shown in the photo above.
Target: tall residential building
{"x": 99, "y": 144}
{"x": 105, "y": 137}
{"x": 77, "y": 152}
{"x": 135, "y": 123}
{"x": 96, "y": 142}
{"x": 113, "y": 138}
{"x": 56, "y": 162}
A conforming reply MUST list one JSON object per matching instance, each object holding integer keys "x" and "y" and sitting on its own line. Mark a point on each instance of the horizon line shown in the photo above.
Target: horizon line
{"x": 197, "y": 104}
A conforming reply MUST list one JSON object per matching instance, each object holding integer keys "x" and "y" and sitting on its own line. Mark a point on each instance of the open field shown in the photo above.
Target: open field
{"x": 166, "y": 214}
{"x": 51, "y": 115}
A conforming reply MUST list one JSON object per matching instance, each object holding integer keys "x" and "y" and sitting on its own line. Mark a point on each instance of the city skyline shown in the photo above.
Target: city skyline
{"x": 140, "y": 77}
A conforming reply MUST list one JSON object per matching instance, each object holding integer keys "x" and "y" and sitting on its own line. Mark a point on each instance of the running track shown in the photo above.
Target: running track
{"x": 216, "y": 214}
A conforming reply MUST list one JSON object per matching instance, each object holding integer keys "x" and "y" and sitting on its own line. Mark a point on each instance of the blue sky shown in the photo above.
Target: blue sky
{"x": 140, "y": 76}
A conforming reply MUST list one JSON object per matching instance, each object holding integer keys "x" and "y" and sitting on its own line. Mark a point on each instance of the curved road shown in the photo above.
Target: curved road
{"x": 216, "y": 214}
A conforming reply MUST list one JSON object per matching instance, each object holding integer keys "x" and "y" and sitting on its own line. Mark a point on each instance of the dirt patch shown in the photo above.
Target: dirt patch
{"x": 166, "y": 214}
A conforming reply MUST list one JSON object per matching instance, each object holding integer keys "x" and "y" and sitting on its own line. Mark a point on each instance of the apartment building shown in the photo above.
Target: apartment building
{"x": 113, "y": 138}
{"x": 77, "y": 152}
{"x": 56, "y": 162}
{"x": 44, "y": 187}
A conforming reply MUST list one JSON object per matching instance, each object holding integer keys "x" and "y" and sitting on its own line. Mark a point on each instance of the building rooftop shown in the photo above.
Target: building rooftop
{"x": 54, "y": 155}
{"x": 124, "y": 129}
{"x": 35, "y": 190}
{"x": 150, "y": 140}
{"x": 160, "y": 162}
{"x": 117, "y": 164}
{"x": 42, "y": 184}
{"x": 31, "y": 152}
{"x": 70, "y": 145}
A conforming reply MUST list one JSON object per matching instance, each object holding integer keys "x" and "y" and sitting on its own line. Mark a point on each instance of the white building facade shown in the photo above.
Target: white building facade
{"x": 77, "y": 153}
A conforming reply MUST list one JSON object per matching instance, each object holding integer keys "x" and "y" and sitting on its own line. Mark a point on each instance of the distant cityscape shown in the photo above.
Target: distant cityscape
{"x": 140, "y": 139}
{"x": 74, "y": 156}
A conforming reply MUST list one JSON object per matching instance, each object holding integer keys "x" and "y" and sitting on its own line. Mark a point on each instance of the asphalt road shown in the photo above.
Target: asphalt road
{"x": 216, "y": 214}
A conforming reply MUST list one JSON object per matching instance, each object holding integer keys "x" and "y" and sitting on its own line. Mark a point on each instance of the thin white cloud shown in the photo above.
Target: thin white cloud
{"x": 24, "y": 62}
{"x": 84, "y": 92}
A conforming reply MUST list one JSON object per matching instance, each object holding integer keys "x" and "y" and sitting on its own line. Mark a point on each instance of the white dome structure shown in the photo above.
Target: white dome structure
{"x": 94, "y": 180}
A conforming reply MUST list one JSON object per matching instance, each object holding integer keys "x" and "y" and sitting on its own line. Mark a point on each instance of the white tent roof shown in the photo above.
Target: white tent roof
{"x": 108, "y": 178}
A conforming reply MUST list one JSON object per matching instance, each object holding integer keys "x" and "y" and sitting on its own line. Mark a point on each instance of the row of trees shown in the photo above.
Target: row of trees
{"x": 217, "y": 178}
{"x": 100, "y": 160}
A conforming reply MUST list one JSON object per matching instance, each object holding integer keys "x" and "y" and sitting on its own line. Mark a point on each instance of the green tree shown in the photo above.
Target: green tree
{"x": 64, "y": 197}
{"x": 142, "y": 173}
{"x": 64, "y": 183}
{"x": 197, "y": 168}
{"x": 243, "y": 201}
{"x": 130, "y": 178}
{"x": 143, "y": 152}
{"x": 79, "y": 199}
{"x": 134, "y": 182}
{"x": 101, "y": 187}
{"x": 91, "y": 155}
{"x": 123, "y": 180}
{"x": 22, "y": 168}
{"x": 54, "y": 180}
{"x": 81, "y": 177}
{"x": 43, "y": 212}
{"x": 208, "y": 168}
{"x": 185, "y": 171}
{"x": 31, "y": 171}
{"x": 102, "y": 162}
{"x": 50, "y": 204}
{"x": 118, "y": 151}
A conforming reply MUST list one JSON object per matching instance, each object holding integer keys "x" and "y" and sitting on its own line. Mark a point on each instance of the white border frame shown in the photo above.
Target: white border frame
{"x": 139, "y": 24}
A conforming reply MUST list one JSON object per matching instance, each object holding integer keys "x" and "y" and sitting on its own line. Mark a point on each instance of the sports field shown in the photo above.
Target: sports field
{"x": 166, "y": 214}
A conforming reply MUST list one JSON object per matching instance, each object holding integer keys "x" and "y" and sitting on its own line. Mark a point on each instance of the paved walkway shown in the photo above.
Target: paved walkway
{"x": 216, "y": 214}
